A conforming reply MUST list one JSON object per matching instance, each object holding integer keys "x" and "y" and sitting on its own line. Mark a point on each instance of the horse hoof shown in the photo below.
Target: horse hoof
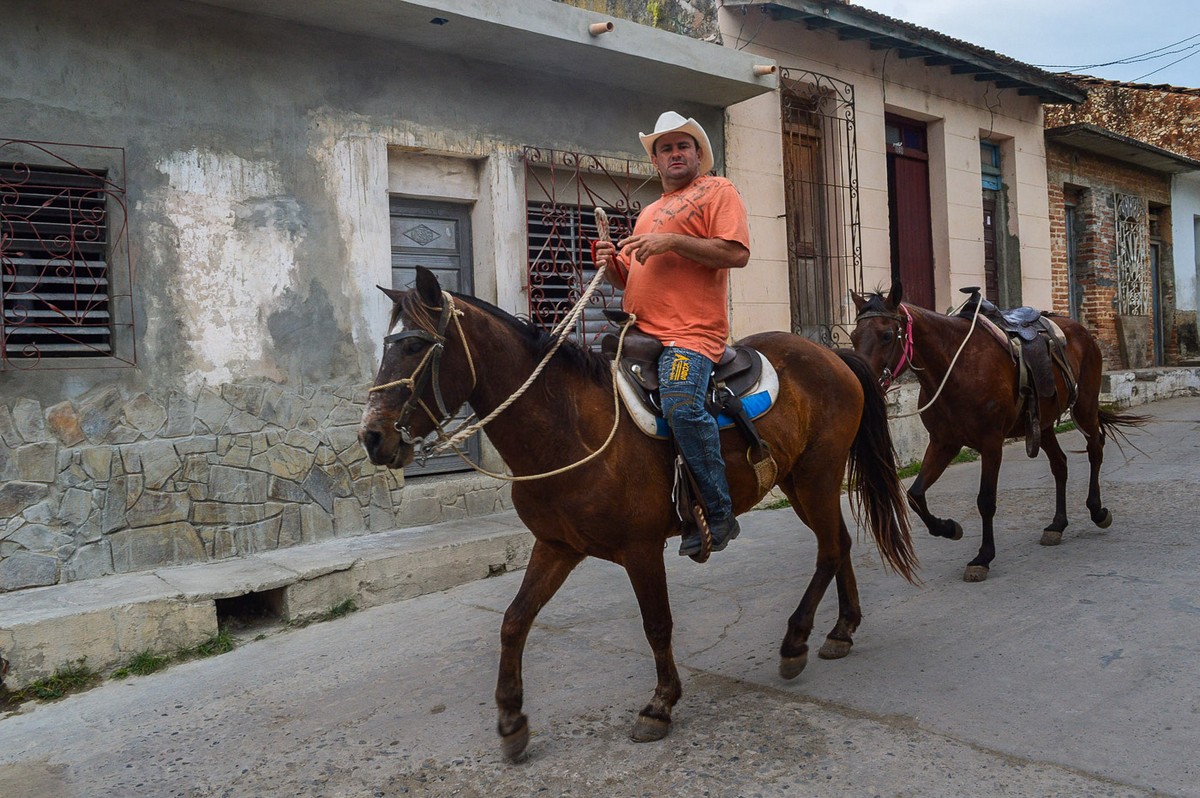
{"x": 791, "y": 667}
{"x": 975, "y": 573}
{"x": 1051, "y": 537}
{"x": 834, "y": 649}
{"x": 648, "y": 729}
{"x": 1105, "y": 521}
{"x": 513, "y": 744}
{"x": 950, "y": 530}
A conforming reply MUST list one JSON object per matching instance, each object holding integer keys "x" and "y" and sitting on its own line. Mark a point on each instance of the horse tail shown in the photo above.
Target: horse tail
{"x": 874, "y": 484}
{"x": 1112, "y": 421}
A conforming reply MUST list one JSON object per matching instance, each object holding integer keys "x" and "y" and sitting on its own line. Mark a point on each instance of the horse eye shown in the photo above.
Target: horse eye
{"x": 887, "y": 337}
{"x": 412, "y": 346}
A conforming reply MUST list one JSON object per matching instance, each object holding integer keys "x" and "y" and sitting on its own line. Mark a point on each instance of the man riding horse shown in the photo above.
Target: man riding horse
{"x": 674, "y": 270}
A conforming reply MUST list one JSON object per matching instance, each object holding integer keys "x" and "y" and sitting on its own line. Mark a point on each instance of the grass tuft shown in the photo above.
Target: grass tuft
{"x": 68, "y": 678}
{"x": 142, "y": 664}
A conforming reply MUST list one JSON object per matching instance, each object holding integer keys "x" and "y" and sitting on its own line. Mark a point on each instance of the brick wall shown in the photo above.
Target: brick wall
{"x": 1091, "y": 183}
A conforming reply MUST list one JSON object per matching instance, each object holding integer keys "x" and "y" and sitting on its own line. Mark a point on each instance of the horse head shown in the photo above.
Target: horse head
{"x": 883, "y": 332}
{"x": 424, "y": 374}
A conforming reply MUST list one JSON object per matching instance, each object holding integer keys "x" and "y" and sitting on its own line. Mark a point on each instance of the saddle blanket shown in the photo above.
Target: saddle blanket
{"x": 757, "y": 401}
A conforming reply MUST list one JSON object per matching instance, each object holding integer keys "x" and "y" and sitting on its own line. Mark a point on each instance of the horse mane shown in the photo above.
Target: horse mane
{"x": 538, "y": 341}
{"x": 875, "y": 304}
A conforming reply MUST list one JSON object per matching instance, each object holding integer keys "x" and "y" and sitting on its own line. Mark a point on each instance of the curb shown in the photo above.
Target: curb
{"x": 110, "y": 620}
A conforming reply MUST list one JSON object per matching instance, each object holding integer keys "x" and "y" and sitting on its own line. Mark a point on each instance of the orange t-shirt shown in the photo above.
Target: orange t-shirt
{"x": 676, "y": 300}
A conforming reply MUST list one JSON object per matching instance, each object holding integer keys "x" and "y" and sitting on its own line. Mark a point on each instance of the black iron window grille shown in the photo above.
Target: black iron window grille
{"x": 65, "y": 277}
{"x": 822, "y": 203}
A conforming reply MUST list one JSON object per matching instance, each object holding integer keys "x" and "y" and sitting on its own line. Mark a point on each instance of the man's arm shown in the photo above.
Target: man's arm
{"x": 715, "y": 253}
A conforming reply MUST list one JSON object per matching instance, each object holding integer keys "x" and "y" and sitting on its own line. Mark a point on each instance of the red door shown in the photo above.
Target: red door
{"x": 908, "y": 209}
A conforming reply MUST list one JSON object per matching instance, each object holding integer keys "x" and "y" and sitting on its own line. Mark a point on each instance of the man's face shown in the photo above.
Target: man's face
{"x": 677, "y": 159}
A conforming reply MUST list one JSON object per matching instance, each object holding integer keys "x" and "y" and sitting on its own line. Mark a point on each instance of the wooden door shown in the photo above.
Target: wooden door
{"x": 991, "y": 281}
{"x": 908, "y": 209}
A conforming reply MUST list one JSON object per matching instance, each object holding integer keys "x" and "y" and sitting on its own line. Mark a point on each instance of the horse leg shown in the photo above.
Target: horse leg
{"x": 937, "y": 457}
{"x": 985, "y": 501}
{"x": 547, "y": 570}
{"x": 1087, "y": 418}
{"x": 821, "y": 511}
{"x": 840, "y": 638}
{"x": 1052, "y": 535}
{"x": 648, "y": 576}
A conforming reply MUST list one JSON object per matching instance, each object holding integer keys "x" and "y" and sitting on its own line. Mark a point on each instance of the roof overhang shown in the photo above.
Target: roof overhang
{"x": 854, "y": 23}
{"x": 540, "y": 35}
{"x": 1122, "y": 148}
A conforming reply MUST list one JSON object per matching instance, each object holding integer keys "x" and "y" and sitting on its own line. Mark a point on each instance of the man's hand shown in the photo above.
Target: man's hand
{"x": 646, "y": 245}
{"x": 715, "y": 253}
{"x": 605, "y": 254}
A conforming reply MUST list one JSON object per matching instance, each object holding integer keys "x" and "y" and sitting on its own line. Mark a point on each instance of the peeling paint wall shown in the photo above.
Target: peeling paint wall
{"x": 236, "y": 235}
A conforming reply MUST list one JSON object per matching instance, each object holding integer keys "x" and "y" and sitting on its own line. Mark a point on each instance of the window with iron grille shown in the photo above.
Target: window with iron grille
{"x": 60, "y": 225}
{"x": 561, "y": 267}
{"x": 820, "y": 177}
{"x": 562, "y": 191}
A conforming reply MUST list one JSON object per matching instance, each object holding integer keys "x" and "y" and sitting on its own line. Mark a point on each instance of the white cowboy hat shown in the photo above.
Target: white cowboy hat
{"x": 671, "y": 122}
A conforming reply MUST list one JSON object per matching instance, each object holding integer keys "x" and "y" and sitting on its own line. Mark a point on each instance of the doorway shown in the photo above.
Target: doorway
{"x": 436, "y": 235}
{"x": 908, "y": 208}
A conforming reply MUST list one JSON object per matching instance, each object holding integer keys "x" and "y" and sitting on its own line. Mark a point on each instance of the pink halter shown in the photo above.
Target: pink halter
{"x": 906, "y": 351}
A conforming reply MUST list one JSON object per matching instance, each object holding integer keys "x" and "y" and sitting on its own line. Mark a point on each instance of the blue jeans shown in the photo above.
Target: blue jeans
{"x": 683, "y": 377}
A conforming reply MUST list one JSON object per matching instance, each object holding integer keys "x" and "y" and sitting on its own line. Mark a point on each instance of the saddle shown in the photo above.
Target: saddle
{"x": 743, "y": 387}
{"x": 1038, "y": 346}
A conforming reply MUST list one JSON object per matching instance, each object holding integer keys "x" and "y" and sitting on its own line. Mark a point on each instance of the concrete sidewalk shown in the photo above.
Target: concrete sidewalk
{"x": 110, "y": 620}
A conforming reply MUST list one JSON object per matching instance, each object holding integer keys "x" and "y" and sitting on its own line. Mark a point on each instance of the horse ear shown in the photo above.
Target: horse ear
{"x": 428, "y": 288}
{"x": 392, "y": 293}
{"x": 894, "y": 296}
{"x": 859, "y": 300}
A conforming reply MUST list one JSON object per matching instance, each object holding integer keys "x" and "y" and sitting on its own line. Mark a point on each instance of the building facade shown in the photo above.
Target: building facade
{"x": 889, "y": 151}
{"x": 1140, "y": 126}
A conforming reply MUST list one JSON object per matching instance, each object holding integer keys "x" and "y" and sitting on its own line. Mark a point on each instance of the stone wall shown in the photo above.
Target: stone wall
{"x": 109, "y": 483}
{"x": 1165, "y": 116}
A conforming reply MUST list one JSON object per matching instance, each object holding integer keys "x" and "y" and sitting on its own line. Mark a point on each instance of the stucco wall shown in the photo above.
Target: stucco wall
{"x": 260, "y": 155}
{"x": 1185, "y": 233}
{"x": 958, "y": 111}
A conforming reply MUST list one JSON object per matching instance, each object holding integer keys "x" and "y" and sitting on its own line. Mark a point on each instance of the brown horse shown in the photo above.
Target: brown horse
{"x": 447, "y": 349}
{"x": 980, "y": 406}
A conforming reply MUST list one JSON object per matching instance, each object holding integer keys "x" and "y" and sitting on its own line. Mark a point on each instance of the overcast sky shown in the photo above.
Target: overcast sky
{"x": 1074, "y": 33}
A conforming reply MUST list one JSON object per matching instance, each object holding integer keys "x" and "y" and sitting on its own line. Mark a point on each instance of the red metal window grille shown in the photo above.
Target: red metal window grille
{"x": 65, "y": 277}
{"x": 563, "y": 189}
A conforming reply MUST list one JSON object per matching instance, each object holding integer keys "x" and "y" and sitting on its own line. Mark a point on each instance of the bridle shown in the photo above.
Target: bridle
{"x": 428, "y": 370}
{"x": 904, "y": 335}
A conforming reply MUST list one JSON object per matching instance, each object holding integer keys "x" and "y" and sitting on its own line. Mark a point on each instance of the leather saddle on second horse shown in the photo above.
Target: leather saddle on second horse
{"x": 1038, "y": 346}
